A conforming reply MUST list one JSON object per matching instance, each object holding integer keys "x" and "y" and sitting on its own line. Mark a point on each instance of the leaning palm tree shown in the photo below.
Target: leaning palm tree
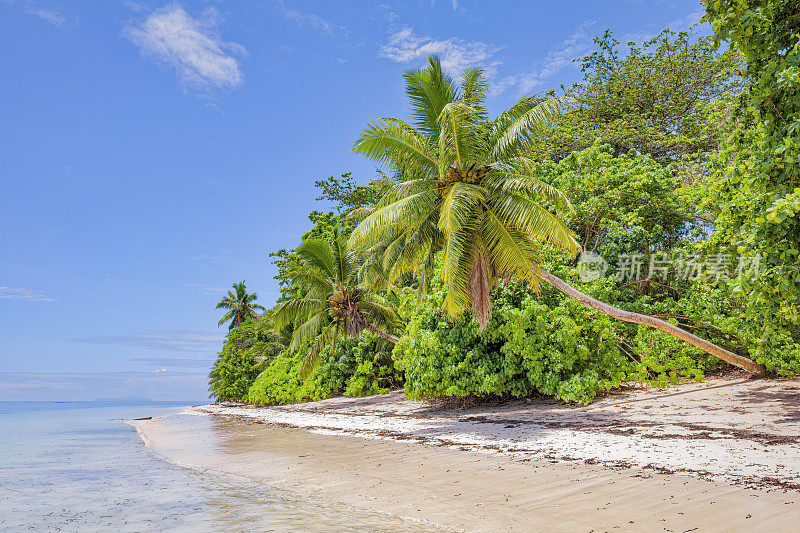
{"x": 240, "y": 306}
{"x": 332, "y": 300}
{"x": 468, "y": 190}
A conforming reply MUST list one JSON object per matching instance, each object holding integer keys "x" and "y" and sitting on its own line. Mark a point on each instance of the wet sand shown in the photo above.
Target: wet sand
{"x": 718, "y": 456}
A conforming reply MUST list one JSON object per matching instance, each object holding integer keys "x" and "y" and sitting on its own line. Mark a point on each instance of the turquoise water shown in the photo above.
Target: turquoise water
{"x": 78, "y": 466}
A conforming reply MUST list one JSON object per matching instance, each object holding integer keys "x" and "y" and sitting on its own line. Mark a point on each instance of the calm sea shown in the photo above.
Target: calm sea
{"x": 77, "y": 466}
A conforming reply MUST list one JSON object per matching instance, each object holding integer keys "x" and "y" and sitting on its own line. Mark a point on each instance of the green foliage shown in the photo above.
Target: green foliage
{"x": 626, "y": 204}
{"x": 330, "y": 299}
{"x": 347, "y": 198}
{"x": 240, "y": 306}
{"x": 548, "y": 344}
{"x": 279, "y": 383}
{"x": 655, "y": 157}
{"x": 359, "y": 367}
{"x": 246, "y": 351}
{"x": 347, "y": 195}
{"x": 656, "y": 98}
{"x": 467, "y": 190}
{"x": 759, "y": 172}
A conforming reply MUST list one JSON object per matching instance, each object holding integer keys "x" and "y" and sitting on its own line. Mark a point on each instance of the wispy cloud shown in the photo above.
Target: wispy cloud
{"x": 573, "y": 47}
{"x": 191, "y": 46}
{"x": 207, "y": 288}
{"x": 313, "y": 21}
{"x": 406, "y": 46}
{"x": 55, "y": 17}
{"x": 173, "y": 362}
{"x": 66, "y": 386}
{"x": 209, "y": 257}
{"x": 678, "y": 24}
{"x": 51, "y": 16}
{"x": 12, "y": 293}
{"x": 181, "y": 341}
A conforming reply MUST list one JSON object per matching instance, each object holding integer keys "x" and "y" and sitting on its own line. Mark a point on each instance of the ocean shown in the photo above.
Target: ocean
{"x": 78, "y": 466}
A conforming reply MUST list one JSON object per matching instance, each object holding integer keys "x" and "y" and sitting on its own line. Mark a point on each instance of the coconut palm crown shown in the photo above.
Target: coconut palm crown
{"x": 332, "y": 299}
{"x": 466, "y": 188}
{"x": 240, "y": 306}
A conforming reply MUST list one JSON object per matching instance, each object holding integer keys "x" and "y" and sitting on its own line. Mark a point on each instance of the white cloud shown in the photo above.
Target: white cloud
{"x": 174, "y": 362}
{"x": 10, "y": 293}
{"x": 48, "y": 15}
{"x": 575, "y": 46}
{"x": 677, "y": 25}
{"x": 405, "y": 46}
{"x": 66, "y": 386}
{"x": 191, "y": 46}
{"x": 207, "y": 288}
{"x": 313, "y": 21}
{"x": 183, "y": 341}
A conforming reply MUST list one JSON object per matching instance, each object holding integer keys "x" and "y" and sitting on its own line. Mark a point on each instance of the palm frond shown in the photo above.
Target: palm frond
{"x": 309, "y": 329}
{"x": 429, "y": 90}
{"x": 312, "y": 280}
{"x": 394, "y": 142}
{"x": 515, "y": 128}
{"x": 317, "y": 254}
{"x": 406, "y": 211}
{"x": 533, "y": 219}
{"x": 458, "y": 204}
{"x": 512, "y": 253}
{"x": 461, "y": 136}
{"x": 227, "y": 316}
{"x": 458, "y": 258}
{"x": 474, "y": 87}
{"x": 286, "y": 313}
{"x": 516, "y": 177}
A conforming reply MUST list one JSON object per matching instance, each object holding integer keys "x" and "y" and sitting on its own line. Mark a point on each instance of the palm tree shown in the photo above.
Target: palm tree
{"x": 333, "y": 300}
{"x": 468, "y": 190}
{"x": 240, "y": 305}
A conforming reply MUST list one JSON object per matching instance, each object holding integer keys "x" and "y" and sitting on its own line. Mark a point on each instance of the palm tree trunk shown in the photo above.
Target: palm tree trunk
{"x": 636, "y": 318}
{"x": 381, "y": 334}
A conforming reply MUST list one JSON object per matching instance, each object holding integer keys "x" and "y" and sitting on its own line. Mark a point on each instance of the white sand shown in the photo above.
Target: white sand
{"x": 527, "y": 466}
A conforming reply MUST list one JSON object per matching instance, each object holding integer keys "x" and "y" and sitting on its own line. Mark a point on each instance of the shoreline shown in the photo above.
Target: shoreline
{"x": 722, "y": 454}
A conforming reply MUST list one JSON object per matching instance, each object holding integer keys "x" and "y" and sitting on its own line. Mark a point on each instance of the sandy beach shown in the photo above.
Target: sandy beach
{"x": 722, "y": 455}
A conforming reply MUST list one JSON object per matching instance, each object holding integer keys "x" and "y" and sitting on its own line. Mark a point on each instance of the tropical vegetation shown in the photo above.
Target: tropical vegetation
{"x": 240, "y": 306}
{"x": 331, "y": 299}
{"x": 679, "y": 152}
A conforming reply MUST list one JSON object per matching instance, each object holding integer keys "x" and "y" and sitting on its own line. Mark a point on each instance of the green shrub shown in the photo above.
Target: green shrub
{"x": 548, "y": 345}
{"x": 234, "y": 370}
{"x": 359, "y": 367}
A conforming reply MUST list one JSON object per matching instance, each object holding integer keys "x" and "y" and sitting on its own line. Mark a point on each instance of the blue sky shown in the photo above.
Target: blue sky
{"x": 152, "y": 153}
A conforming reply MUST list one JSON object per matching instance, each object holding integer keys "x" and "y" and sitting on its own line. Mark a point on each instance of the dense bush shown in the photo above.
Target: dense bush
{"x": 546, "y": 343}
{"x": 623, "y": 205}
{"x": 359, "y": 367}
{"x": 237, "y": 364}
{"x": 759, "y": 172}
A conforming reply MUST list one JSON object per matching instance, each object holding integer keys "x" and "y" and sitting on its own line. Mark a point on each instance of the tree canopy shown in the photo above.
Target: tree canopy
{"x": 665, "y": 97}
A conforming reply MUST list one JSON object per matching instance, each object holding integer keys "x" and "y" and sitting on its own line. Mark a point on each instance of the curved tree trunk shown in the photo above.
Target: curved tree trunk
{"x": 381, "y": 334}
{"x": 636, "y": 318}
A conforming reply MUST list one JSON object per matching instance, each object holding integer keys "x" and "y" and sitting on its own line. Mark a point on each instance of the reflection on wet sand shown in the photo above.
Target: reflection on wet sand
{"x": 457, "y": 488}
